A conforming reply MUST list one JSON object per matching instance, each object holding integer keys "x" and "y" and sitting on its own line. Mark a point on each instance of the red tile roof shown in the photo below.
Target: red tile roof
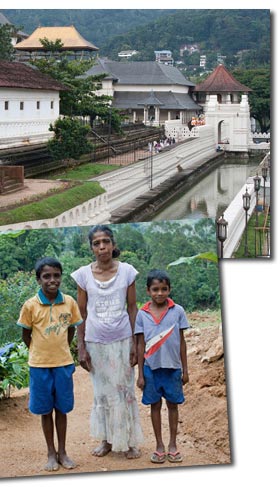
{"x": 20, "y": 75}
{"x": 221, "y": 80}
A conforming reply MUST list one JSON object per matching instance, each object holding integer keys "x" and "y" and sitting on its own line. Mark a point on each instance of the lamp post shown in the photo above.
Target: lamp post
{"x": 221, "y": 225}
{"x": 257, "y": 185}
{"x": 109, "y": 132}
{"x": 264, "y": 175}
{"x": 246, "y": 205}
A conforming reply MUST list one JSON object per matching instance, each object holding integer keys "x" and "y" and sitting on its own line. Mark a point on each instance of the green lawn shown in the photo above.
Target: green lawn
{"x": 84, "y": 171}
{"x": 255, "y": 239}
{"x": 51, "y": 206}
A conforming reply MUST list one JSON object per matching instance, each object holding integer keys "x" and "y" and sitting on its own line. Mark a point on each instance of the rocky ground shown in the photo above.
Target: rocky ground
{"x": 203, "y": 436}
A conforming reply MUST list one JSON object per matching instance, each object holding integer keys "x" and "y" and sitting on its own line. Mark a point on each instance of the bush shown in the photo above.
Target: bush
{"x": 14, "y": 370}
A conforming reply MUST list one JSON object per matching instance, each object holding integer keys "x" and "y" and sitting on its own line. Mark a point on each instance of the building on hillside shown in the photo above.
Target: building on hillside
{"x": 226, "y": 108}
{"x": 17, "y": 35}
{"x": 72, "y": 42}
{"x": 202, "y": 61}
{"x": 147, "y": 91}
{"x": 190, "y": 48}
{"x": 29, "y": 103}
{"x": 220, "y": 58}
{"x": 164, "y": 57}
{"x": 127, "y": 54}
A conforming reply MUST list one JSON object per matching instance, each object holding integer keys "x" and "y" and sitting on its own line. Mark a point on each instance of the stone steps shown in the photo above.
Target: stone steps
{"x": 10, "y": 185}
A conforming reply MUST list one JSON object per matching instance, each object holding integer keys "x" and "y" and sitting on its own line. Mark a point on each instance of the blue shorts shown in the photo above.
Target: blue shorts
{"x": 51, "y": 388}
{"x": 160, "y": 383}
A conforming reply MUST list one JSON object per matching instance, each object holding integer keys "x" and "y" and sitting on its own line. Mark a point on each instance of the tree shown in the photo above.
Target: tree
{"x": 70, "y": 139}
{"x": 259, "y": 99}
{"x": 11, "y": 255}
{"x": 6, "y": 47}
{"x": 14, "y": 291}
{"x": 80, "y": 98}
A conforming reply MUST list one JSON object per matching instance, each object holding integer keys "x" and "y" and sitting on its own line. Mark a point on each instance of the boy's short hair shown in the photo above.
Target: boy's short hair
{"x": 159, "y": 275}
{"x": 50, "y": 261}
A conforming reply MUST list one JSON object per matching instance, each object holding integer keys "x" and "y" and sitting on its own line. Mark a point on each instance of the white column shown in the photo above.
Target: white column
{"x": 157, "y": 114}
{"x": 145, "y": 114}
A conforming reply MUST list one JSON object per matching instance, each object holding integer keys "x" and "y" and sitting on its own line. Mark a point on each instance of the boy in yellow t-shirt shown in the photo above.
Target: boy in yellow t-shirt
{"x": 48, "y": 322}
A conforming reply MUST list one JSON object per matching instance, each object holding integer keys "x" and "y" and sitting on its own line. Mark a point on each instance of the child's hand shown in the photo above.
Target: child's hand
{"x": 133, "y": 356}
{"x": 185, "y": 378}
{"x": 141, "y": 383}
{"x": 85, "y": 360}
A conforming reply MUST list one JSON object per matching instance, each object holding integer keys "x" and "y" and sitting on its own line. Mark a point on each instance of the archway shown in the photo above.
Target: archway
{"x": 223, "y": 133}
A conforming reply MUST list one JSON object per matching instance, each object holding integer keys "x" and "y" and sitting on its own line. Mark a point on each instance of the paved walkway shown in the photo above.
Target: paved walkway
{"x": 32, "y": 187}
{"x": 39, "y": 187}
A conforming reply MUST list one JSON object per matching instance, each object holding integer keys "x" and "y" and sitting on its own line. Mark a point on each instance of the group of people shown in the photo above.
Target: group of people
{"x": 113, "y": 336}
{"x": 158, "y": 145}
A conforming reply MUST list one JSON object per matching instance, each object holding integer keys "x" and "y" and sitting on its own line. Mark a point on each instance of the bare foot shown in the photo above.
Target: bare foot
{"x": 103, "y": 449}
{"x": 132, "y": 453}
{"x": 65, "y": 461}
{"x": 52, "y": 464}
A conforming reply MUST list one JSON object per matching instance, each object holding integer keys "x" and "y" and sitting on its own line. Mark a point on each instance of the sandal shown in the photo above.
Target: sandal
{"x": 174, "y": 457}
{"x": 158, "y": 457}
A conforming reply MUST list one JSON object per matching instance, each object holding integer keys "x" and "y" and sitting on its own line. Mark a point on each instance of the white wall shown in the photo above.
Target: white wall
{"x": 30, "y": 125}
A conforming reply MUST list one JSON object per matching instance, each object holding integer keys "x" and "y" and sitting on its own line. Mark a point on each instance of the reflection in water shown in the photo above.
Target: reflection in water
{"x": 212, "y": 194}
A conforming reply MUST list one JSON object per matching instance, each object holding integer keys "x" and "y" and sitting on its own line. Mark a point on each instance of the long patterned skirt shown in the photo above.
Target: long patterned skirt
{"x": 115, "y": 414}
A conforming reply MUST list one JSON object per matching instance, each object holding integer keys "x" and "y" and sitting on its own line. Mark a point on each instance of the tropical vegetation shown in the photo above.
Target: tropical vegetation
{"x": 195, "y": 284}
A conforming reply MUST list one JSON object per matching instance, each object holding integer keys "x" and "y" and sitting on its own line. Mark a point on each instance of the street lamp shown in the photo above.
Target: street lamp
{"x": 221, "y": 225}
{"x": 264, "y": 175}
{"x": 246, "y": 205}
{"x": 257, "y": 185}
{"x": 109, "y": 131}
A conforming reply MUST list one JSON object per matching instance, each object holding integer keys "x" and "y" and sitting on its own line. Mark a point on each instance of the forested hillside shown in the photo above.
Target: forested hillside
{"x": 242, "y": 36}
{"x": 97, "y": 26}
{"x": 195, "y": 285}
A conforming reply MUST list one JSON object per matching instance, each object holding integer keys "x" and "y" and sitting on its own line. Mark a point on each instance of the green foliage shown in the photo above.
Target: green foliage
{"x": 144, "y": 245}
{"x": 243, "y": 35}
{"x": 80, "y": 96}
{"x": 70, "y": 139}
{"x": 95, "y": 25}
{"x": 6, "y": 48}
{"x": 259, "y": 81}
{"x": 215, "y": 31}
{"x": 84, "y": 171}
{"x": 14, "y": 370}
{"x": 212, "y": 257}
{"x": 14, "y": 291}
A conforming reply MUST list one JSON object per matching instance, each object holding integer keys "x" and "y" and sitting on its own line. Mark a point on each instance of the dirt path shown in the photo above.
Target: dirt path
{"x": 203, "y": 429}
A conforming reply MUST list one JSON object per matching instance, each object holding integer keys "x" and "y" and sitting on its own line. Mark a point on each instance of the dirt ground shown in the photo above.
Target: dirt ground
{"x": 203, "y": 434}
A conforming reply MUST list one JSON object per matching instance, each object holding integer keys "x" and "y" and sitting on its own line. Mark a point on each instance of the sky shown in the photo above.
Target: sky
{"x": 250, "y": 326}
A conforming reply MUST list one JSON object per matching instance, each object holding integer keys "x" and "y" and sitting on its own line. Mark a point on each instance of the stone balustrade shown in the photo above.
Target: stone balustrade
{"x": 91, "y": 212}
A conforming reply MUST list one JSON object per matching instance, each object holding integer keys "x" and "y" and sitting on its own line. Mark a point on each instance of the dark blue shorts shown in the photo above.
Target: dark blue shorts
{"x": 51, "y": 388}
{"x": 160, "y": 383}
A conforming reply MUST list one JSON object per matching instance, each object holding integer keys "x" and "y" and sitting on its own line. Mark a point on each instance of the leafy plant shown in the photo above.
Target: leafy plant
{"x": 210, "y": 256}
{"x": 70, "y": 139}
{"x": 14, "y": 370}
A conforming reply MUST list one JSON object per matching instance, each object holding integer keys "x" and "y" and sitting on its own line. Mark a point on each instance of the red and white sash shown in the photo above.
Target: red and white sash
{"x": 155, "y": 343}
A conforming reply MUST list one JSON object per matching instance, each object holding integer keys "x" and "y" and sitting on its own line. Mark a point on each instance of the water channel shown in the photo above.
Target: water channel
{"x": 209, "y": 197}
